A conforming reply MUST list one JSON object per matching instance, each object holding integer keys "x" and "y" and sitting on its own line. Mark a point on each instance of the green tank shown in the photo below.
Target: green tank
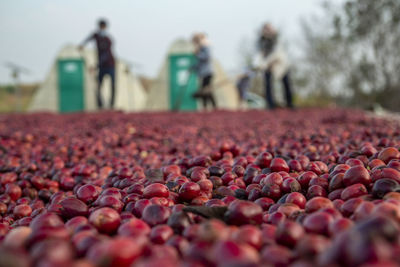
{"x": 182, "y": 83}
{"x": 71, "y": 83}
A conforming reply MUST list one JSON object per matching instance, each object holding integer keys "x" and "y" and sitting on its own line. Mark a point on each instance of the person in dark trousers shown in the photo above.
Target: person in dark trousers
{"x": 273, "y": 61}
{"x": 106, "y": 61}
{"x": 203, "y": 69}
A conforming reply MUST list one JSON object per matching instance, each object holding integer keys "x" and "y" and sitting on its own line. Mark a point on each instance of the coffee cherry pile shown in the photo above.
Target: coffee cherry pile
{"x": 314, "y": 187}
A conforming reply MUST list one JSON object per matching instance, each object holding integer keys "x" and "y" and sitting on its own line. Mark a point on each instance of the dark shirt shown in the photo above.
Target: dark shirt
{"x": 104, "y": 52}
{"x": 267, "y": 44}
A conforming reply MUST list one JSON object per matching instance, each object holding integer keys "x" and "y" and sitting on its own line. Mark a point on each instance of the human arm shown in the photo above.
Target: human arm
{"x": 263, "y": 63}
{"x": 88, "y": 39}
{"x": 260, "y": 62}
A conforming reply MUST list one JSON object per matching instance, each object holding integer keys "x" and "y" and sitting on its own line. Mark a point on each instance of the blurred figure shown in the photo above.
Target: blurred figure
{"x": 106, "y": 62}
{"x": 272, "y": 60}
{"x": 243, "y": 85}
{"x": 203, "y": 69}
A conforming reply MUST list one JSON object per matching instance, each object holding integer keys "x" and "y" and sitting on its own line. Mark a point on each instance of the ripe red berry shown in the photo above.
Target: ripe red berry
{"x": 155, "y": 190}
{"x": 156, "y": 214}
{"x": 106, "y": 220}
{"x": 356, "y": 175}
{"x": 279, "y": 164}
{"x": 189, "y": 191}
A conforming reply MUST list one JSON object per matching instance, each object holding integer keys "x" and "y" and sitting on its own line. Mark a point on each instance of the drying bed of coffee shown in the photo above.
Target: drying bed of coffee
{"x": 306, "y": 187}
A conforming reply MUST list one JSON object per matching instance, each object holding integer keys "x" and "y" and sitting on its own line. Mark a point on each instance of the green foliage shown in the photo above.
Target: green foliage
{"x": 352, "y": 53}
{"x": 9, "y": 89}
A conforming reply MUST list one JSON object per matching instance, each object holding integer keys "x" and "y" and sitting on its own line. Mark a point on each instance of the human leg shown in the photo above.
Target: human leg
{"x": 204, "y": 101}
{"x": 98, "y": 92}
{"x": 211, "y": 99}
{"x": 269, "y": 90}
{"x": 206, "y": 91}
{"x": 288, "y": 90}
{"x": 112, "y": 76}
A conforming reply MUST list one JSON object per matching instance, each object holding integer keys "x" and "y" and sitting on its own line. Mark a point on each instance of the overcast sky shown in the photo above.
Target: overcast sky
{"x": 32, "y": 31}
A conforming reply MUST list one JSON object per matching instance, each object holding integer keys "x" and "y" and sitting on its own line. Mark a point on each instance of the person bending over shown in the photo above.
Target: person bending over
{"x": 272, "y": 60}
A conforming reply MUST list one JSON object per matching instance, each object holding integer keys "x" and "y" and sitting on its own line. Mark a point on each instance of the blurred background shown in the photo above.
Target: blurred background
{"x": 342, "y": 53}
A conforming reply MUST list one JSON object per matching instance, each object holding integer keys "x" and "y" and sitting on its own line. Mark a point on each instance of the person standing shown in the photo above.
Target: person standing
{"x": 106, "y": 61}
{"x": 242, "y": 85}
{"x": 203, "y": 69}
{"x": 272, "y": 60}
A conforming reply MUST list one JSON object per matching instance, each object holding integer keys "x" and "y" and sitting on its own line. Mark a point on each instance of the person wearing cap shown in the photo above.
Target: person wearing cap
{"x": 106, "y": 61}
{"x": 272, "y": 60}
